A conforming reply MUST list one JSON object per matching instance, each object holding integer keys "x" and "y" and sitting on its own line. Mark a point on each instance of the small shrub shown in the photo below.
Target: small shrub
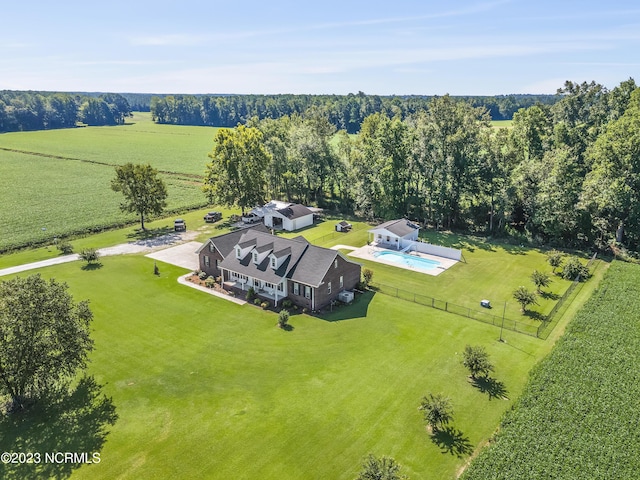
{"x": 305, "y": 310}
{"x": 156, "y": 270}
{"x": 287, "y": 303}
{"x": 256, "y": 301}
{"x": 250, "y": 294}
{"x": 367, "y": 275}
{"x": 361, "y": 286}
{"x": 210, "y": 282}
{"x": 65, "y": 248}
{"x": 90, "y": 255}
{"x": 283, "y": 318}
{"x": 573, "y": 268}
{"x": 202, "y": 275}
{"x": 197, "y": 272}
{"x": 219, "y": 279}
{"x": 265, "y": 305}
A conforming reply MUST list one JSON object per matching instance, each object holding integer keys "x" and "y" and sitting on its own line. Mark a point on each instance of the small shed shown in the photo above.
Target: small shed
{"x": 343, "y": 226}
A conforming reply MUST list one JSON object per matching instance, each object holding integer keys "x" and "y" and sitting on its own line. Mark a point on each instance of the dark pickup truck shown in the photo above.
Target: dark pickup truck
{"x": 179, "y": 225}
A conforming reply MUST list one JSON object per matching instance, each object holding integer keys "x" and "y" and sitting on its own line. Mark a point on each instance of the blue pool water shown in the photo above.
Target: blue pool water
{"x": 408, "y": 260}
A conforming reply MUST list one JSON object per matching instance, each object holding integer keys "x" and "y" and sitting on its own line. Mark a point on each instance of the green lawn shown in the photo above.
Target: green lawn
{"x": 207, "y": 389}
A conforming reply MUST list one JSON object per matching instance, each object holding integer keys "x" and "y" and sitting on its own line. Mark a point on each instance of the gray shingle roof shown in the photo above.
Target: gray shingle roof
{"x": 306, "y": 263}
{"x": 225, "y": 242}
{"x": 399, "y": 227}
{"x": 295, "y": 211}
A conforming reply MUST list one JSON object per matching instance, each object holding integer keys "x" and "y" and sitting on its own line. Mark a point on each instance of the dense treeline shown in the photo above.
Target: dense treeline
{"x": 21, "y": 111}
{"x": 345, "y": 112}
{"x": 566, "y": 174}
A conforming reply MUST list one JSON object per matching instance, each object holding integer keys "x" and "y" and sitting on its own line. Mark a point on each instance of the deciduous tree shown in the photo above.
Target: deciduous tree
{"x": 44, "y": 337}
{"x": 145, "y": 193}
{"x": 540, "y": 279}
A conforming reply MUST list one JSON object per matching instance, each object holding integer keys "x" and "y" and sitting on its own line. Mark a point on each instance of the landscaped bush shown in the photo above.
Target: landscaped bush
{"x": 256, "y": 301}
{"x": 367, "y": 275}
{"x": 287, "y": 303}
{"x": 65, "y": 248}
{"x": 305, "y": 310}
{"x": 210, "y": 282}
{"x": 573, "y": 268}
{"x": 90, "y": 255}
{"x": 265, "y": 305}
{"x": 250, "y": 294}
{"x": 283, "y": 318}
{"x": 203, "y": 275}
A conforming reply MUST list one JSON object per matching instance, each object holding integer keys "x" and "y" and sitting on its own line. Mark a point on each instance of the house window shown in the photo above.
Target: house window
{"x": 341, "y": 282}
{"x": 211, "y": 247}
{"x": 335, "y": 263}
{"x": 273, "y": 262}
{"x": 255, "y": 257}
{"x": 257, "y": 283}
{"x": 307, "y": 291}
{"x": 329, "y": 288}
{"x": 281, "y": 287}
{"x": 206, "y": 260}
{"x": 238, "y": 252}
{"x": 388, "y": 239}
{"x": 215, "y": 262}
{"x": 296, "y": 288}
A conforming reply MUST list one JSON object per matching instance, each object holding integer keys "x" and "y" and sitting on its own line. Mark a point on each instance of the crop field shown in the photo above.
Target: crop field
{"x": 43, "y": 196}
{"x": 204, "y": 388}
{"x": 578, "y": 417}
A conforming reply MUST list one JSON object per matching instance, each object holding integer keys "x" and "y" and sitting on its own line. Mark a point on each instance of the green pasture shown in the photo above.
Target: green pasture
{"x": 172, "y": 148}
{"x": 204, "y": 388}
{"x": 62, "y": 183}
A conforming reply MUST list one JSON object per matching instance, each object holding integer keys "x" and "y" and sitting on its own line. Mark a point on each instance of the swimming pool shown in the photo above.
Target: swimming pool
{"x": 405, "y": 260}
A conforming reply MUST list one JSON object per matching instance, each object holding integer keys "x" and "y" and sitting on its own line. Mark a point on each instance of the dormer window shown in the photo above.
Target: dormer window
{"x": 255, "y": 257}
{"x": 238, "y": 252}
{"x": 273, "y": 262}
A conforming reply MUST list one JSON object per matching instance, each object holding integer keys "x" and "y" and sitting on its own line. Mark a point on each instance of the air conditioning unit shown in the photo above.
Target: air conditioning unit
{"x": 345, "y": 296}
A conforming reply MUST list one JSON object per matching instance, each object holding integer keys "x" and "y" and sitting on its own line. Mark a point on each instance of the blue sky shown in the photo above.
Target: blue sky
{"x": 464, "y": 47}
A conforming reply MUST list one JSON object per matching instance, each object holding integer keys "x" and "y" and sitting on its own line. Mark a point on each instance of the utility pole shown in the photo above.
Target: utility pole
{"x": 502, "y": 327}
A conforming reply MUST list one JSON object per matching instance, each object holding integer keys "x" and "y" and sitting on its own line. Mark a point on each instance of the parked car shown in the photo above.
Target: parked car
{"x": 251, "y": 218}
{"x": 179, "y": 225}
{"x": 212, "y": 217}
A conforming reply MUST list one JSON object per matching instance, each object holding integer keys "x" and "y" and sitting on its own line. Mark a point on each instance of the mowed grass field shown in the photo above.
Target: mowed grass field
{"x": 43, "y": 196}
{"x": 204, "y": 388}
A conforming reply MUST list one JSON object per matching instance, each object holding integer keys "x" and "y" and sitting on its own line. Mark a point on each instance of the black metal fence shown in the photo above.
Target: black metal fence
{"x": 468, "y": 312}
{"x": 541, "y": 331}
{"x": 563, "y": 303}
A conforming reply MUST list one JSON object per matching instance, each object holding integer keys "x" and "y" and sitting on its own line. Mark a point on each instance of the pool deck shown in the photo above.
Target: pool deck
{"x": 367, "y": 253}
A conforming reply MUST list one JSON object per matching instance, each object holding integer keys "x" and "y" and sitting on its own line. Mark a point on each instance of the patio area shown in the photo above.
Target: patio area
{"x": 415, "y": 261}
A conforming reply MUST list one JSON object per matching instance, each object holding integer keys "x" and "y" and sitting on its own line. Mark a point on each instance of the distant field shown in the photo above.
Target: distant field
{"x": 71, "y": 194}
{"x": 501, "y": 123}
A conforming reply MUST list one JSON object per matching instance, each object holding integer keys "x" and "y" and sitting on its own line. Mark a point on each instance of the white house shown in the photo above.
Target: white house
{"x": 292, "y": 217}
{"x": 396, "y": 234}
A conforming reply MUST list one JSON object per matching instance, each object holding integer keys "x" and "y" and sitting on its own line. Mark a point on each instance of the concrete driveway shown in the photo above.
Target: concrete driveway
{"x": 184, "y": 255}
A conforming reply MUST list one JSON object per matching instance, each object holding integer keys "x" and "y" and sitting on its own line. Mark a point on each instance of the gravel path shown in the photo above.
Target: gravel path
{"x": 139, "y": 246}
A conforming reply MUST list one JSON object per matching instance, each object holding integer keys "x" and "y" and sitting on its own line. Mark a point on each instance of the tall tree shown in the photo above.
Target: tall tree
{"x": 145, "y": 193}
{"x": 437, "y": 410}
{"x": 236, "y": 175}
{"x": 44, "y": 337}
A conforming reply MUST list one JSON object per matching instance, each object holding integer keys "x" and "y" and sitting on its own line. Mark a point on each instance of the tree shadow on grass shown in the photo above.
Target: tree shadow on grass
{"x": 92, "y": 266}
{"x": 549, "y": 295}
{"x": 452, "y": 441}
{"x": 535, "y": 315}
{"x": 494, "y": 388}
{"x": 73, "y": 421}
{"x": 149, "y": 233}
{"x": 287, "y": 328}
